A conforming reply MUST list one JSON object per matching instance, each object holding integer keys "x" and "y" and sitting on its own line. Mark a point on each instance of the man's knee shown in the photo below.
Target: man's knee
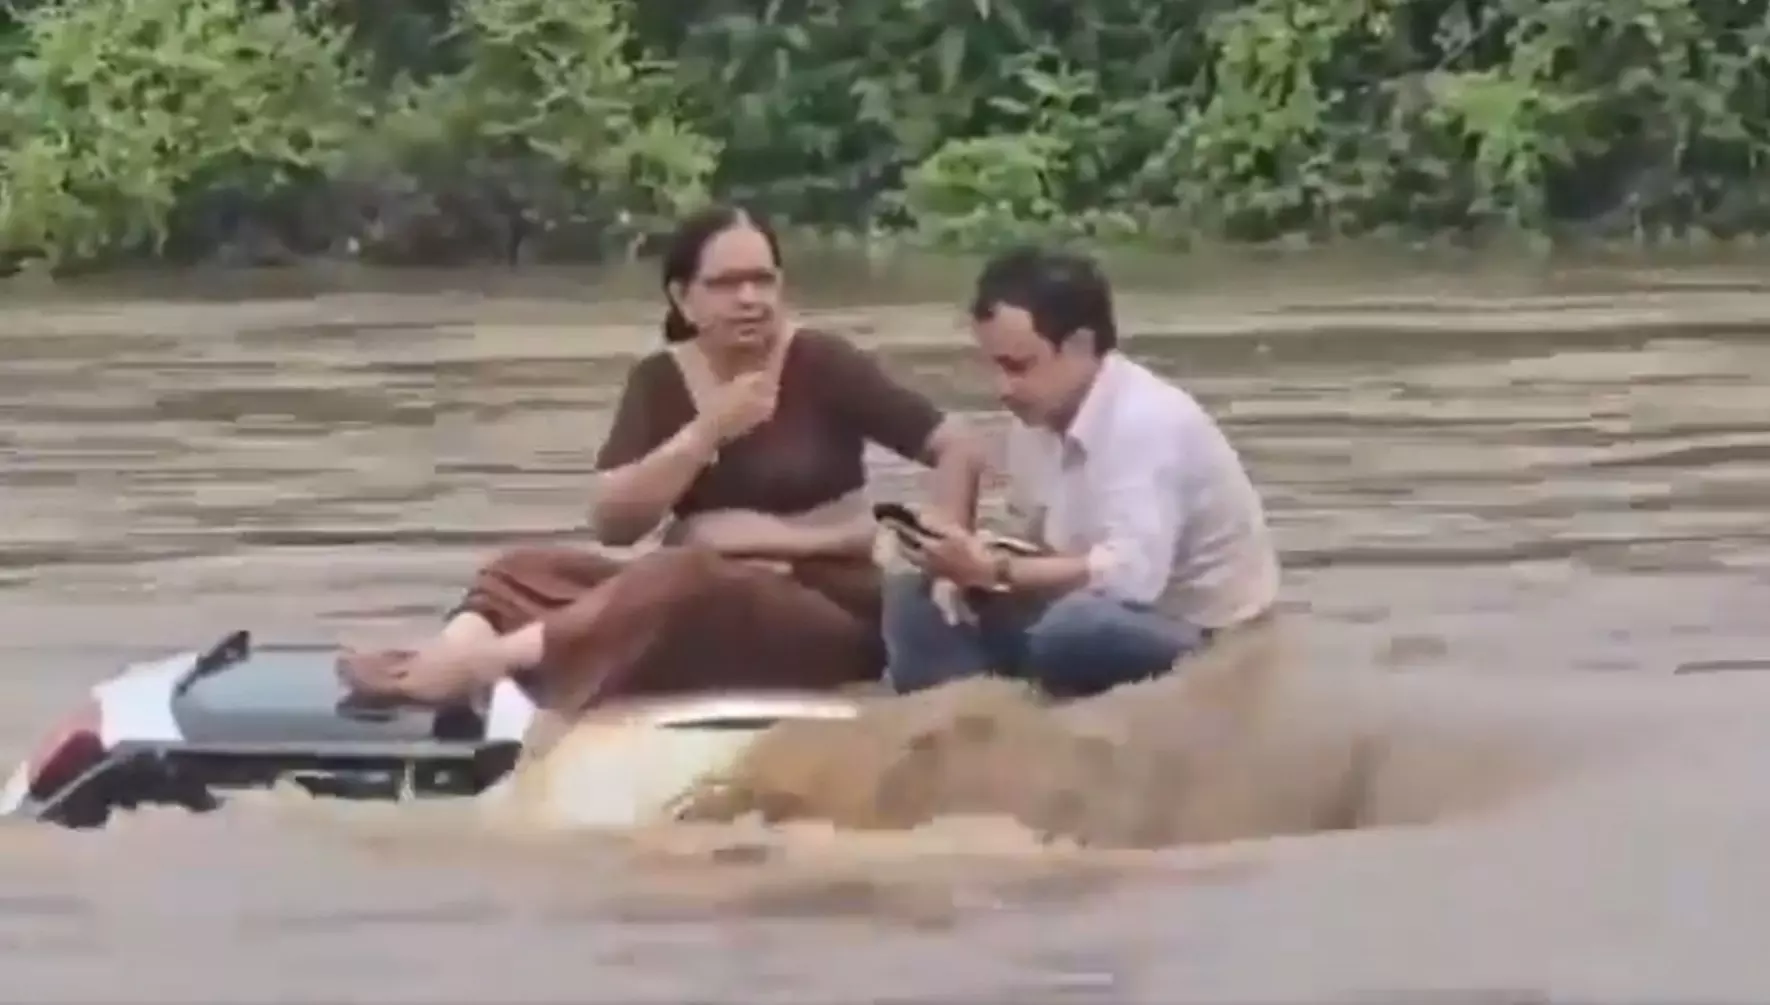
{"x": 1069, "y": 629}
{"x": 921, "y": 649}
{"x": 908, "y": 603}
{"x": 1084, "y": 643}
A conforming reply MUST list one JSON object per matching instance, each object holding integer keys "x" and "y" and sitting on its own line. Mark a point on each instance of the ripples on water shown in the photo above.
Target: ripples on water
{"x": 1520, "y": 500}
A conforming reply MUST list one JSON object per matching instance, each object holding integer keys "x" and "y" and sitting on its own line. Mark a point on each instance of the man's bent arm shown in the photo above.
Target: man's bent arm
{"x": 1142, "y": 520}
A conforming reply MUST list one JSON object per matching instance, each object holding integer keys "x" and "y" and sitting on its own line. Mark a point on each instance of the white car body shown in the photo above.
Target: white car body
{"x": 618, "y": 766}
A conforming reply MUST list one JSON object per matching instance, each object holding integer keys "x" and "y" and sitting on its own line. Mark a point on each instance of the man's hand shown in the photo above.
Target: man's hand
{"x": 952, "y": 554}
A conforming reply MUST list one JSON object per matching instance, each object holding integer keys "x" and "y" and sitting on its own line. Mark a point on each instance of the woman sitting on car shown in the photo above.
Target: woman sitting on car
{"x": 745, "y": 436}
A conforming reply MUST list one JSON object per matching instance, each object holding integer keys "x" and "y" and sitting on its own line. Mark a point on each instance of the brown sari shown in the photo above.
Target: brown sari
{"x": 684, "y": 618}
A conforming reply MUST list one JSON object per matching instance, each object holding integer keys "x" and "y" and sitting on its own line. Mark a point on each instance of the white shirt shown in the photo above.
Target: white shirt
{"x": 1147, "y": 486}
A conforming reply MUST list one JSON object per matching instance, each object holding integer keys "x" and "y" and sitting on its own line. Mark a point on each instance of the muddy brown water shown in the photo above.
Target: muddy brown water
{"x": 1557, "y": 478}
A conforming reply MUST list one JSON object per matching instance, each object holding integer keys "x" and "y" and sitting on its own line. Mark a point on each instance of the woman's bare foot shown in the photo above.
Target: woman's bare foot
{"x": 438, "y": 673}
{"x": 374, "y": 673}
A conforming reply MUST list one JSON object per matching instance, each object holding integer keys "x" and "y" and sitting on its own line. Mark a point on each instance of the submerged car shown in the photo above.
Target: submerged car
{"x": 192, "y": 729}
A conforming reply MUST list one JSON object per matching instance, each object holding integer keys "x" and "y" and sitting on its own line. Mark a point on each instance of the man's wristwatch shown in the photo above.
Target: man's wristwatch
{"x": 1001, "y": 569}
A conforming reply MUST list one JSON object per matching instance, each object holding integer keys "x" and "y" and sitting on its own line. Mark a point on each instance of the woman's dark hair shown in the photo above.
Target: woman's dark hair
{"x": 682, "y": 255}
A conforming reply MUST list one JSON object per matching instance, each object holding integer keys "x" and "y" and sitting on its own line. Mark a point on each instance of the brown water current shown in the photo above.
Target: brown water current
{"x": 1565, "y": 477}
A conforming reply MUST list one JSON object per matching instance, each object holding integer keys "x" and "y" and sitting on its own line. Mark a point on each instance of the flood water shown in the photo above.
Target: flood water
{"x": 1570, "y": 478}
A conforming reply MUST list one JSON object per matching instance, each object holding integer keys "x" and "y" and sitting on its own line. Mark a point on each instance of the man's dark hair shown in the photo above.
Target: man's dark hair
{"x": 1062, "y": 291}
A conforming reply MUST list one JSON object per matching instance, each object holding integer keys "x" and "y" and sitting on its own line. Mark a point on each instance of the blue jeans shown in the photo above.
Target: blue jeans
{"x": 1080, "y": 644}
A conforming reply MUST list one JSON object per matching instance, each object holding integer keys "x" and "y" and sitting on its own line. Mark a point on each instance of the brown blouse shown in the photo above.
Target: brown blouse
{"x": 834, "y": 396}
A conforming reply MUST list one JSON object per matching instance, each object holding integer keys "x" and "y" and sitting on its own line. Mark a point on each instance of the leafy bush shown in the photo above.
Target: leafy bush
{"x": 116, "y": 115}
{"x": 439, "y": 129}
{"x": 550, "y": 118}
{"x": 1256, "y": 119}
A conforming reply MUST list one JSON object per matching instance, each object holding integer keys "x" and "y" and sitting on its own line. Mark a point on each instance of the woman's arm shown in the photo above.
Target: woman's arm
{"x": 903, "y": 420}
{"x": 841, "y": 529}
{"x": 634, "y": 498}
{"x": 648, "y": 460}
{"x": 953, "y": 453}
{"x": 750, "y": 534}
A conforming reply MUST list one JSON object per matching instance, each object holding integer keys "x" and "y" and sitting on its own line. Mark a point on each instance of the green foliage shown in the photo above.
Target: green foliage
{"x": 425, "y": 129}
{"x": 127, "y": 126}
{"x": 547, "y": 85}
{"x": 969, "y": 121}
{"x": 114, "y": 114}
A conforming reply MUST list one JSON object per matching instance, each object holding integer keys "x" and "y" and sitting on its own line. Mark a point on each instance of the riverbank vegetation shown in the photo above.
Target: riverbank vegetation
{"x": 448, "y": 131}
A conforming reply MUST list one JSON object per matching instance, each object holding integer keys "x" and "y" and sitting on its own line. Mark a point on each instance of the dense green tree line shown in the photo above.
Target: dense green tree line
{"x": 448, "y": 130}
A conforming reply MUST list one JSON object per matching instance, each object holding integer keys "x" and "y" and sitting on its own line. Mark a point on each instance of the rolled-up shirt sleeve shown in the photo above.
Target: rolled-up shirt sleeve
{"x": 1141, "y": 513}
